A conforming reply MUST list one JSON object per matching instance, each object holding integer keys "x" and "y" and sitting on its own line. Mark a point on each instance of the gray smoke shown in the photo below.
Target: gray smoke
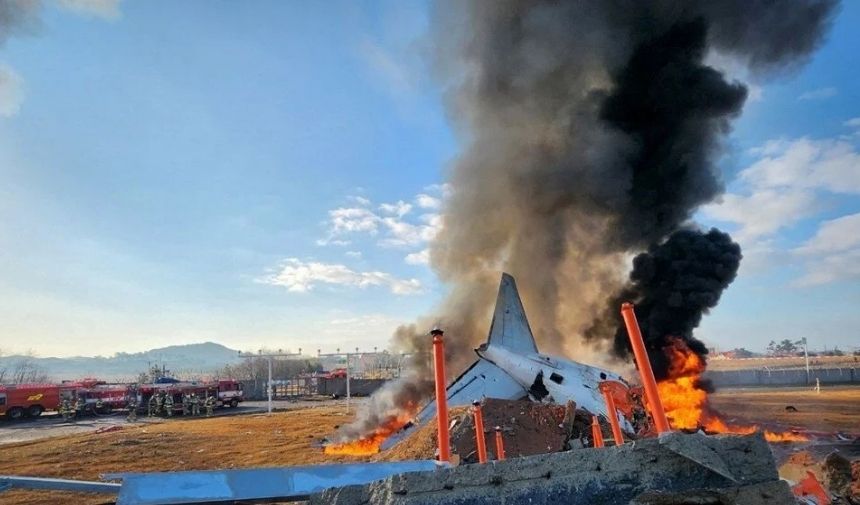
{"x": 590, "y": 131}
{"x": 18, "y": 17}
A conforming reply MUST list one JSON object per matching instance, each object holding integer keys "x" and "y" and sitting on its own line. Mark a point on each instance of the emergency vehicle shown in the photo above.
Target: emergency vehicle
{"x": 28, "y": 400}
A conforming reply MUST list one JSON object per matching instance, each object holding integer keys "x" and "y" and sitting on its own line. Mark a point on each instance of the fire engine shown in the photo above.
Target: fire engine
{"x": 230, "y": 393}
{"x": 100, "y": 397}
{"x": 22, "y": 400}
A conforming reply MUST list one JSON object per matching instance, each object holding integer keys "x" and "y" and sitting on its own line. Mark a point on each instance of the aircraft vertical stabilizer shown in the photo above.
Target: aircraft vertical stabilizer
{"x": 510, "y": 328}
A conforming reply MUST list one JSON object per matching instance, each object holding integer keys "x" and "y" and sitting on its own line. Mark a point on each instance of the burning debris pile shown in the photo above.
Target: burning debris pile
{"x": 527, "y": 428}
{"x": 391, "y": 408}
{"x": 592, "y": 132}
{"x": 685, "y": 397}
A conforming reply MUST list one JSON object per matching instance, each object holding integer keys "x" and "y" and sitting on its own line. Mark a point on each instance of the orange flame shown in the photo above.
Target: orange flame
{"x": 369, "y": 444}
{"x": 686, "y": 403}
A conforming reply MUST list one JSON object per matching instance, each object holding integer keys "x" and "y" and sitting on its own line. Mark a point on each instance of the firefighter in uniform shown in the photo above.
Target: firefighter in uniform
{"x": 152, "y": 400}
{"x": 132, "y": 410}
{"x": 210, "y": 405}
{"x": 159, "y": 403}
{"x": 99, "y": 405}
{"x": 66, "y": 409}
{"x": 186, "y": 404}
{"x": 168, "y": 405}
{"x": 79, "y": 407}
{"x": 195, "y": 405}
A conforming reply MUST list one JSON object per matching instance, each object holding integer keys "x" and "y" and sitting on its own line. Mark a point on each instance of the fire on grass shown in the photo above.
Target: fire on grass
{"x": 369, "y": 444}
{"x": 686, "y": 401}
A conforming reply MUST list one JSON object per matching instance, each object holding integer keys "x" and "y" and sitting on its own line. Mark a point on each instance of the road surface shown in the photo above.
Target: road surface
{"x": 51, "y": 425}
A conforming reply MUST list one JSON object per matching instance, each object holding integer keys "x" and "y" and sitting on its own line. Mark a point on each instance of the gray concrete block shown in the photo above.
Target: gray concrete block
{"x": 613, "y": 475}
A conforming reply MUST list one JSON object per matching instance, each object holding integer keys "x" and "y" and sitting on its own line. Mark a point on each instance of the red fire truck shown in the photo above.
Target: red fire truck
{"x": 225, "y": 392}
{"x": 99, "y": 397}
{"x": 230, "y": 393}
{"x": 31, "y": 400}
{"x": 22, "y": 400}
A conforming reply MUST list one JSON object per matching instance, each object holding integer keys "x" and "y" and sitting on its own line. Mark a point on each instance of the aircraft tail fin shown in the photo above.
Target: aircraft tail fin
{"x": 510, "y": 328}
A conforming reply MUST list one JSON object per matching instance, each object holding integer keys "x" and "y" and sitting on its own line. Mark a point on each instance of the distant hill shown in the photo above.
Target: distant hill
{"x": 186, "y": 360}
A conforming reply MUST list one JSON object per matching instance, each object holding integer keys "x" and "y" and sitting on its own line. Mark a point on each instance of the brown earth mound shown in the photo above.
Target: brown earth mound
{"x": 528, "y": 428}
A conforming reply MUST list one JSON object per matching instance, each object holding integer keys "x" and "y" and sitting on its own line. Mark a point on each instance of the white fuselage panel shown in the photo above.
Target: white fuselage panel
{"x": 562, "y": 379}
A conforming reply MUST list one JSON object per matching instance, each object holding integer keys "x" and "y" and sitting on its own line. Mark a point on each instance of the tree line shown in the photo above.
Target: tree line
{"x": 23, "y": 370}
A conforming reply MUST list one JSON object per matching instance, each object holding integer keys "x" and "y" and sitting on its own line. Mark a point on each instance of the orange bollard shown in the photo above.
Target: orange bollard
{"x": 612, "y": 413}
{"x": 500, "y": 445}
{"x": 479, "y": 432}
{"x": 595, "y": 432}
{"x": 645, "y": 371}
{"x": 441, "y": 395}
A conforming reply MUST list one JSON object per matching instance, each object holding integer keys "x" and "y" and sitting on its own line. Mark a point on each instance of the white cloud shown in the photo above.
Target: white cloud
{"x": 333, "y": 241}
{"x": 399, "y": 209}
{"x": 359, "y": 200}
{"x": 853, "y": 122}
{"x": 300, "y": 277}
{"x": 105, "y": 9}
{"x": 829, "y": 268}
{"x": 819, "y": 93}
{"x": 421, "y": 257}
{"x": 762, "y": 212}
{"x": 790, "y": 181}
{"x": 833, "y": 253}
{"x": 11, "y": 91}
{"x": 835, "y": 235}
{"x": 828, "y": 164}
{"x": 354, "y": 254}
{"x": 426, "y": 201}
{"x": 393, "y": 220}
{"x": 401, "y": 233}
{"x": 353, "y": 219}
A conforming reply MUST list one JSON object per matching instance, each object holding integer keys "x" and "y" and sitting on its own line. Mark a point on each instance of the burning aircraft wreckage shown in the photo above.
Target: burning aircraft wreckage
{"x": 510, "y": 367}
{"x": 593, "y": 132}
{"x": 663, "y": 443}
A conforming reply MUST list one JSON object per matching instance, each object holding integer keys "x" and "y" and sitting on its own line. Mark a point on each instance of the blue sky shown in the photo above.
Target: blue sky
{"x": 270, "y": 175}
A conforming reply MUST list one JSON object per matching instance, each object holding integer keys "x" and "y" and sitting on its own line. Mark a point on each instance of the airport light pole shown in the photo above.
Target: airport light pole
{"x": 269, "y": 358}
{"x": 348, "y": 355}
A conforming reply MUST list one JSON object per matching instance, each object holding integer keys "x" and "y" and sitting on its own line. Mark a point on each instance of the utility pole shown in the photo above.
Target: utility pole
{"x": 806, "y": 358}
{"x": 269, "y": 357}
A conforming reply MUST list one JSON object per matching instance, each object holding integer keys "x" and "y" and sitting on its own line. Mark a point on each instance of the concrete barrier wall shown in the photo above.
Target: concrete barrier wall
{"x": 790, "y": 377}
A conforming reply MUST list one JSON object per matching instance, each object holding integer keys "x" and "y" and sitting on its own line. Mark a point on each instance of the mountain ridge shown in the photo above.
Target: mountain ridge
{"x": 200, "y": 358}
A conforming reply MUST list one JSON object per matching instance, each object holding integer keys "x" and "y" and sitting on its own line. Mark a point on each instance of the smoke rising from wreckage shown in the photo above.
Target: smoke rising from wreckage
{"x": 592, "y": 132}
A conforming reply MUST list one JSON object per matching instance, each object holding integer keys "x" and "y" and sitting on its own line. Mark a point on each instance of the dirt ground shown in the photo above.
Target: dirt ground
{"x": 834, "y": 409}
{"x": 292, "y": 438}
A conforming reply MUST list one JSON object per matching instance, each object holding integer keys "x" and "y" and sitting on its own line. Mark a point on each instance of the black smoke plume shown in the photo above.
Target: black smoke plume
{"x": 672, "y": 285}
{"x": 590, "y": 131}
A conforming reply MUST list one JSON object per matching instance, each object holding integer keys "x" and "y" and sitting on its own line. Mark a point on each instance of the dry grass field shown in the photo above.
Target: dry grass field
{"x": 291, "y": 438}
{"x": 836, "y": 408}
